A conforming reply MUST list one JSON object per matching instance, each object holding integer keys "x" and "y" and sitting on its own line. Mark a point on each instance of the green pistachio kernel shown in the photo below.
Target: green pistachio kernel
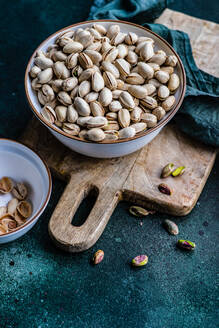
{"x": 179, "y": 171}
{"x": 140, "y": 260}
{"x": 167, "y": 170}
{"x": 186, "y": 244}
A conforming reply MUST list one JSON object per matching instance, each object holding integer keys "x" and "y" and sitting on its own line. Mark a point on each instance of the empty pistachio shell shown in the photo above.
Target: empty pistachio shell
{"x": 159, "y": 112}
{"x": 12, "y": 205}
{"x": 178, "y": 171}
{"x": 140, "y": 260}
{"x": 167, "y": 170}
{"x": 139, "y": 211}
{"x": 98, "y": 257}
{"x": 3, "y": 210}
{"x": 186, "y": 244}
{"x": 6, "y": 185}
{"x": 7, "y": 222}
{"x": 20, "y": 191}
{"x": 171, "y": 227}
{"x": 164, "y": 189}
{"x": 24, "y": 208}
{"x": 19, "y": 218}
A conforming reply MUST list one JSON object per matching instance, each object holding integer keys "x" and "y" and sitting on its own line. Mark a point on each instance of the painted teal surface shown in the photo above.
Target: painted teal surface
{"x": 41, "y": 286}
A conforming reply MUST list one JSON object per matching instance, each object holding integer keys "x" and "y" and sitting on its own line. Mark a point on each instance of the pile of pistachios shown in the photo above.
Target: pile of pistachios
{"x": 102, "y": 84}
{"x": 18, "y": 209}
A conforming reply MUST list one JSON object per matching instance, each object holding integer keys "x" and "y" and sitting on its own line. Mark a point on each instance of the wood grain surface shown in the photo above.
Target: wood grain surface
{"x": 135, "y": 177}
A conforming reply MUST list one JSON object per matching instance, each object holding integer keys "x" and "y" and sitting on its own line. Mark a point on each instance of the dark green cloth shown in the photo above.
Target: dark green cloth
{"x": 199, "y": 113}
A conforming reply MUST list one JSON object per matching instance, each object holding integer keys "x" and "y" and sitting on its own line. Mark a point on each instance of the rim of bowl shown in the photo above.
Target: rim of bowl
{"x": 47, "y": 196}
{"x": 139, "y": 135}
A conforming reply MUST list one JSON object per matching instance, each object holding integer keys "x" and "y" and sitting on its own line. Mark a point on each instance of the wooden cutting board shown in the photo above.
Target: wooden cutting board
{"x": 133, "y": 178}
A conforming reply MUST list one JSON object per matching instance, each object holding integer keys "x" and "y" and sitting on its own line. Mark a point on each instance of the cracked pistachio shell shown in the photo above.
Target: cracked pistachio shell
{"x": 90, "y": 97}
{"x": 161, "y": 76}
{"x": 64, "y": 40}
{"x": 82, "y": 106}
{"x": 77, "y": 72}
{"x": 171, "y": 227}
{"x": 149, "y": 119}
{"x": 173, "y": 82}
{"x": 115, "y": 106}
{"x": 118, "y": 38}
{"x": 95, "y": 56}
{"x": 72, "y": 114}
{"x": 147, "y": 51}
{"x": 85, "y": 38}
{"x": 61, "y": 70}
{"x": 34, "y": 71}
{"x": 105, "y": 97}
{"x": 149, "y": 102}
{"x": 168, "y": 69}
{"x": 64, "y": 98}
{"x": 84, "y": 88}
{"x": 97, "y": 82}
{"x": 96, "y": 46}
{"x": 110, "y": 80}
{"x": 127, "y": 100}
{"x": 128, "y": 132}
{"x": 140, "y": 260}
{"x": 6, "y": 185}
{"x": 124, "y": 117}
{"x": 61, "y": 113}
{"x": 112, "y": 125}
{"x": 12, "y": 205}
{"x": 139, "y": 127}
{"x": 155, "y": 66}
{"x": 131, "y": 38}
{"x": 171, "y": 60}
{"x": 96, "y": 122}
{"x": 113, "y": 30}
{"x": 95, "y": 134}
{"x": 45, "y": 76}
{"x": 145, "y": 70}
{"x": 95, "y": 34}
{"x": 3, "y": 210}
{"x": 35, "y": 84}
{"x": 134, "y": 79}
{"x": 71, "y": 128}
{"x": 111, "y": 116}
{"x": 69, "y": 84}
{"x": 137, "y": 91}
{"x": 72, "y": 47}
{"x": 100, "y": 28}
{"x": 159, "y": 112}
{"x": 168, "y": 103}
{"x": 167, "y": 170}
{"x": 24, "y": 208}
{"x": 85, "y": 61}
{"x": 116, "y": 93}
{"x": 43, "y": 62}
{"x": 107, "y": 66}
{"x": 132, "y": 57}
{"x": 158, "y": 58}
{"x": 48, "y": 93}
{"x": 111, "y": 135}
{"x": 136, "y": 114}
{"x": 111, "y": 54}
{"x": 97, "y": 109}
{"x": 72, "y": 60}
{"x": 123, "y": 66}
{"x": 48, "y": 113}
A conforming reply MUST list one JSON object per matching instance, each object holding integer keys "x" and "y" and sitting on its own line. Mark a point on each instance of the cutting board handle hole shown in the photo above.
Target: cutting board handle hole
{"x": 85, "y": 207}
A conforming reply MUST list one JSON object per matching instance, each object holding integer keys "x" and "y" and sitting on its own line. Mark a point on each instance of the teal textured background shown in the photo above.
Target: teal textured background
{"x": 41, "y": 286}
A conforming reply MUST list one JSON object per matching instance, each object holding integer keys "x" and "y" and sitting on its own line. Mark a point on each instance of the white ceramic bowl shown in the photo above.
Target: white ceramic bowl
{"x": 119, "y": 147}
{"x": 23, "y": 165}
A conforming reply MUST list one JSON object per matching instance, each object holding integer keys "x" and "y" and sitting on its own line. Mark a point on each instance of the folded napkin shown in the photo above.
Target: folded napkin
{"x": 199, "y": 113}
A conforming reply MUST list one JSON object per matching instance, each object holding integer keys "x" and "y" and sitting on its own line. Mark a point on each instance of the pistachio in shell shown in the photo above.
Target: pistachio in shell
{"x": 19, "y": 218}
{"x": 20, "y": 191}
{"x": 8, "y": 222}
{"x": 140, "y": 260}
{"x": 167, "y": 170}
{"x": 6, "y": 185}
{"x": 139, "y": 211}
{"x": 25, "y": 209}
{"x": 98, "y": 257}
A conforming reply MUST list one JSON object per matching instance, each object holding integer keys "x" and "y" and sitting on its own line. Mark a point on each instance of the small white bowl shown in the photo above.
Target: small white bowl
{"x": 22, "y": 164}
{"x": 116, "y": 148}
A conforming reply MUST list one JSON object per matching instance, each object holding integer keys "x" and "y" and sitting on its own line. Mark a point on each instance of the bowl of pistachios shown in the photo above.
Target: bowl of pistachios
{"x": 105, "y": 88}
{"x": 25, "y": 188}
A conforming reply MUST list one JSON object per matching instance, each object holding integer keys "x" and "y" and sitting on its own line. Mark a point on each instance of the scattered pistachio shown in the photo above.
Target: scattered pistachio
{"x": 167, "y": 170}
{"x": 179, "y": 171}
{"x": 171, "y": 227}
{"x": 98, "y": 256}
{"x": 139, "y": 211}
{"x": 164, "y": 189}
{"x": 140, "y": 260}
{"x": 186, "y": 244}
